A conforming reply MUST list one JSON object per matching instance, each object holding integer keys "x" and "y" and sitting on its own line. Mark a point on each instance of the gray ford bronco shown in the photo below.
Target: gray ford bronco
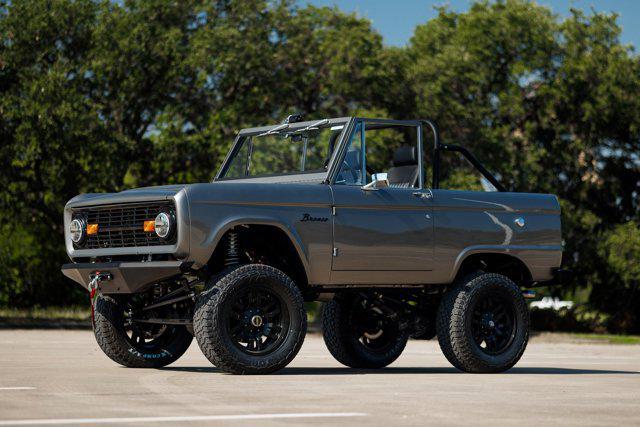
{"x": 348, "y": 211}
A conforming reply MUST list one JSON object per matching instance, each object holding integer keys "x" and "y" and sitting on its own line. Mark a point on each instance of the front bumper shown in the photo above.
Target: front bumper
{"x": 125, "y": 277}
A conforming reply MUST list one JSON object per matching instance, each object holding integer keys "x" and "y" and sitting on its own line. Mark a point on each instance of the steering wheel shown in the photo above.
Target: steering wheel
{"x": 347, "y": 167}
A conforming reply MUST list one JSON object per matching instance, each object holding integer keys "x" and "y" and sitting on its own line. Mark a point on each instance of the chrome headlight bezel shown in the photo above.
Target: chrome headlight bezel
{"x": 165, "y": 224}
{"x": 78, "y": 230}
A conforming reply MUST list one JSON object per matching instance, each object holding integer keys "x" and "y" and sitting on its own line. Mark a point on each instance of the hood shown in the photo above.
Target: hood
{"x": 143, "y": 194}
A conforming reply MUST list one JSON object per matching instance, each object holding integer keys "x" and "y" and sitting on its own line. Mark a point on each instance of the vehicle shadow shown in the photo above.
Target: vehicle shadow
{"x": 410, "y": 370}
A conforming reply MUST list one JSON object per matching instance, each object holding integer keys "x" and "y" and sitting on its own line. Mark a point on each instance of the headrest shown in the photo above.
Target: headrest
{"x": 404, "y": 155}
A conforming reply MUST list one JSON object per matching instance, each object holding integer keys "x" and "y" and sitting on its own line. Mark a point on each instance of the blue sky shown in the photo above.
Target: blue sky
{"x": 396, "y": 19}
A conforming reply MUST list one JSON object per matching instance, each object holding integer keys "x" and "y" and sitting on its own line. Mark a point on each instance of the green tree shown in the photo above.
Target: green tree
{"x": 550, "y": 105}
{"x": 620, "y": 248}
{"x": 52, "y": 139}
{"x": 473, "y": 73}
{"x": 99, "y": 96}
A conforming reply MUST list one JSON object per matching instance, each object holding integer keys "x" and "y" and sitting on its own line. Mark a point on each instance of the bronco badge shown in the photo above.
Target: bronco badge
{"x": 306, "y": 217}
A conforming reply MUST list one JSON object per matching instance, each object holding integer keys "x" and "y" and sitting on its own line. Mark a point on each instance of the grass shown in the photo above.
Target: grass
{"x": 585, "y": 338}
{"x": 607, "y": 339}
{"x": 79, "y": 313}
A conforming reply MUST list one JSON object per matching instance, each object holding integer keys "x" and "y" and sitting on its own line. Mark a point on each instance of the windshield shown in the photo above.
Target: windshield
{"x": 285, "y": 150}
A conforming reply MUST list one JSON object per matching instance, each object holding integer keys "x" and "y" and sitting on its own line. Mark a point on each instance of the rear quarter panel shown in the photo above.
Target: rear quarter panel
{"x": 468, "y": 222}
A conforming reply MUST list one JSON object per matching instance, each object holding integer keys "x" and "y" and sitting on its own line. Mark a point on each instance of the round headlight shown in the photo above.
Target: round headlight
{"x": 77, "y": 230}
{"x": 164, "y": 225}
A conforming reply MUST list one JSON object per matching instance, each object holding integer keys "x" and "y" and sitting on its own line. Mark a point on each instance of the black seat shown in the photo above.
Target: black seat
{"x": 404, "y": 172}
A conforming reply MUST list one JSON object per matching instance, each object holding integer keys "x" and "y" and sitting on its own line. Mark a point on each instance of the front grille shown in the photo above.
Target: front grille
{"x": 122, "y": 226}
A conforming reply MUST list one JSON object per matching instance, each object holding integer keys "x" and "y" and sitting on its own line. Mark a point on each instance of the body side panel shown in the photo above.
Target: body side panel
{"x": 468, "y": 222}
{"x": 382, "y": 237}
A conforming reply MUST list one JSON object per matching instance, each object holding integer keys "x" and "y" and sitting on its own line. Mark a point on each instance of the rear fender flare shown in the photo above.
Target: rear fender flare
{"x": 514, "y": 251}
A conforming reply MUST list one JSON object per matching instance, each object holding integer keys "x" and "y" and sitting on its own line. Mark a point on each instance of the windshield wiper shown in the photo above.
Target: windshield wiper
{"x": 311, "y": 126}
{"x": 285, "y": 126}
{"x": 275, "y": 129}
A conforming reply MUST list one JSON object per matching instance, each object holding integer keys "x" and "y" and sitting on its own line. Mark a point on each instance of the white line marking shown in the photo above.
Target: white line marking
{"x": 65, "y": 421}
{"x": 17, "y": 388}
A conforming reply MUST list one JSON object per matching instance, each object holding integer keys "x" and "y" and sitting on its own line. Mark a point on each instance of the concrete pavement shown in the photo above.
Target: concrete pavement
{"x": 62, "y": 378}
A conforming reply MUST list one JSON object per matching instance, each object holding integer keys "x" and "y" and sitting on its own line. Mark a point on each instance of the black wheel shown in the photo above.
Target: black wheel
{"x": 251, "y": 321}
{"x": 360, "y": 332}
{"x": 483, "y": 324}
{"x": 133, "y": 344}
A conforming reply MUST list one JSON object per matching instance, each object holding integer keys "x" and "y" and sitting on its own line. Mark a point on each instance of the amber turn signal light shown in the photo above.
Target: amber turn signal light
{"x": 92, "y": 229}
{"x": 149, "y": 226}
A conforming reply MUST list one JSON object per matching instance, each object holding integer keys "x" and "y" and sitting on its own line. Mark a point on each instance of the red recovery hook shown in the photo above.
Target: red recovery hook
{"x": 96, "y": 277}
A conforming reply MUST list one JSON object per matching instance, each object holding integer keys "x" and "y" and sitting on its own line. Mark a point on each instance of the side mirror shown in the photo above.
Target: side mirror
{"x": 378, "y": 181}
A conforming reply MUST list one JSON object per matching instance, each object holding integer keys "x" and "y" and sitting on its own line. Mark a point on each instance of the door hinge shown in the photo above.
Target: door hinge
{"x": 335, "y": 252}
{"x": 333, "y": 210}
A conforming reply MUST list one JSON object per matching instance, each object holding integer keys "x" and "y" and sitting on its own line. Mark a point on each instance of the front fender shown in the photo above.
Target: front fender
{"x": 213, "y": 238}
{"x": 216, "y": 208}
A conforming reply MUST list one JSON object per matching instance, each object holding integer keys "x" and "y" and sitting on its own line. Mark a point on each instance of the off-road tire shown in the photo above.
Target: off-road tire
{"x": 454, "y": 319}
{"x": 345, "y": 348}
{"x": 212, "y": 335}
{"x": 111, "y": 337}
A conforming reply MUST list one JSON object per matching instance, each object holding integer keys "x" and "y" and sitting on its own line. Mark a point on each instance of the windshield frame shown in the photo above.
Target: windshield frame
{"x": 251, "y": 132}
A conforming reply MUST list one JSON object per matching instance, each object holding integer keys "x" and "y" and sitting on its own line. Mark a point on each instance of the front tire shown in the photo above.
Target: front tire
{"x": 251, "y": 321}
{"x": 136, "y": 345}
{"x": 359, "y": 334}
{"x": 483, "y": 324}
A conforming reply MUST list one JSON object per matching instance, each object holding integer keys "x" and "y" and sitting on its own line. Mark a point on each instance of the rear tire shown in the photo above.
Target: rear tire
{"x": 483, "y": 324}
{"x": 149, "y": 346}
{"x": 251, "y": 320}
{"x": 360, "y": 337}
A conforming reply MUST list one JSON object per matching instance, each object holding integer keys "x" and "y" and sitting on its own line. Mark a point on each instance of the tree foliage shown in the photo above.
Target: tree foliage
{"x": 620, "y": 250}
{"x": 103, "y": 96}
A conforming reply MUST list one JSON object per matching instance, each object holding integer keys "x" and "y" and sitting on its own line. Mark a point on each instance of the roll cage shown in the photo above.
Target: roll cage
{"x": 340, "y": 146}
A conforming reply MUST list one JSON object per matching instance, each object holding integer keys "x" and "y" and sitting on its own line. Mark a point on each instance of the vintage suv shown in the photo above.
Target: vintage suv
{"x": 337, "y": 210}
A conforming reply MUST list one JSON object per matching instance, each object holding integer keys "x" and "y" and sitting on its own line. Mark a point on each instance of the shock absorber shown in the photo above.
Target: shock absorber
{"x": 232, "y": 254}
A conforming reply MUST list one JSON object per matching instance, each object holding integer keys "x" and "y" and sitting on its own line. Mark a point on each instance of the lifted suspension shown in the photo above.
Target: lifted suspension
{"x": 183, "y": 293}
{"x": 232, "y": 254}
